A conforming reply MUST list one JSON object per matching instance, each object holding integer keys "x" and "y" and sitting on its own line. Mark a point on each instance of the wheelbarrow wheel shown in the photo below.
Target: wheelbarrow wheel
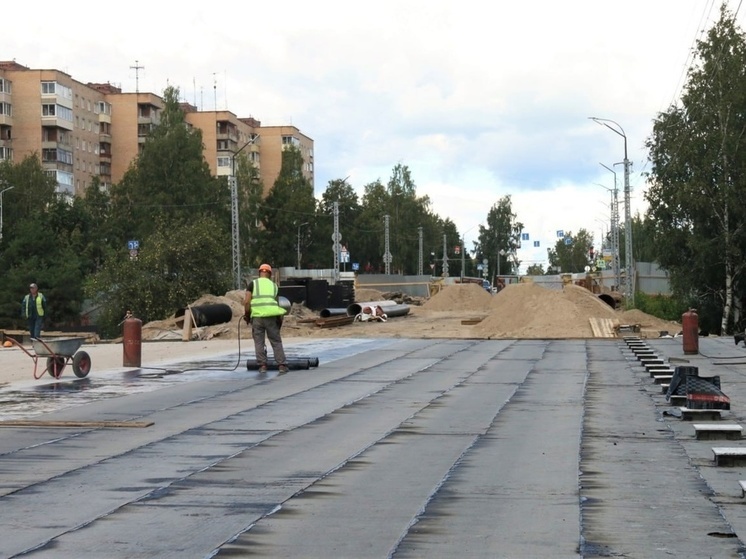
{"x": 55, "y": 365}
{"x": 81, "y": 364}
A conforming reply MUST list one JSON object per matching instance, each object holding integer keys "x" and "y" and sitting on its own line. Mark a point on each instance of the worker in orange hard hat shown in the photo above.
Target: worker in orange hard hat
{"x": 264, "y": 313}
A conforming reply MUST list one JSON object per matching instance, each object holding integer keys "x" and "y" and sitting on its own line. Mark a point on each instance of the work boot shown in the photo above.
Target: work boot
{"x": 262, "y": 368}
{"x": 283, "y": 369}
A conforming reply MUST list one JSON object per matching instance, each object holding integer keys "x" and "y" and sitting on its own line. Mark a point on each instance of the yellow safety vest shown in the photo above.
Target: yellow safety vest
{"x": 39, "y": 304}
{"x": 264, "y": 299}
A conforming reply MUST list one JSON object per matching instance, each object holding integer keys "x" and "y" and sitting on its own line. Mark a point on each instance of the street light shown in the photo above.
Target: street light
{"x": 628, "y": 280}
{"x": 233, "y": 183}
{"x": 615, "y": 230}
{"x": 299, "y": 226}
{"x": 1, "y": 210}
{"x": 500, "y": 253}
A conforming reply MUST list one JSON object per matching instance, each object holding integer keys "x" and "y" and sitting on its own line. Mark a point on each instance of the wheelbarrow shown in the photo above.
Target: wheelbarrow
{"x": 59, "y": 352}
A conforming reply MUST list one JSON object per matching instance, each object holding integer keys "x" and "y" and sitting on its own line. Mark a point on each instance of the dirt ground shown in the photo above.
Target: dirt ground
{"x": 523, "y": 310}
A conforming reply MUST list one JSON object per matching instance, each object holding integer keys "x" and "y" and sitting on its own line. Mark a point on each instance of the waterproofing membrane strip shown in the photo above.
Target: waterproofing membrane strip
{"x": 45, "y": 423}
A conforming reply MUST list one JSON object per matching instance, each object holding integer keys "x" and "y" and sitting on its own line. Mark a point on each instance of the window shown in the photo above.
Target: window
{"x": 64, "y": 113}
{"x": 4, "y": 86}
{"x": 6, "y": 109}
{"x": 290, "y": 141}
{"x": 48, "y": 88}
{"x": 48, "y": 110}
{"x": 102, "y": 107}
{"x": 224, "y": 161}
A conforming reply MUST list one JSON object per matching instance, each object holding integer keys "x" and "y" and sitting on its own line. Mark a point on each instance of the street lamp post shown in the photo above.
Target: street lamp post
{"x": 1, "y": 210}
{"x": 629, "y": 291}
{"x": 299, "y": 227}
{"x": 236, "y": 245}
{"x": 500, "y": 253}
{"x": 615, "y": 230}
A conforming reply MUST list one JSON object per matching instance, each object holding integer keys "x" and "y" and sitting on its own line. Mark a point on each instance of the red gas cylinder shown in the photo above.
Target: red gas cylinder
{"x": 690, "y": 328}
{"x": 132, "y": 341}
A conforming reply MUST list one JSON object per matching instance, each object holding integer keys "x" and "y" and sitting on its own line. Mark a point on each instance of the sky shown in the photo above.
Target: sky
{"x": 480, "y": 100}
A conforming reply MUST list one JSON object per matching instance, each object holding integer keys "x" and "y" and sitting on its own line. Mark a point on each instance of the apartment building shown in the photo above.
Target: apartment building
{"x": 49, "y": 113}
{"x": 91, "y": 130}
{"x": 274, "y": 139}
{"x": 224, "y": 135}
{"x": 133, "y": 116}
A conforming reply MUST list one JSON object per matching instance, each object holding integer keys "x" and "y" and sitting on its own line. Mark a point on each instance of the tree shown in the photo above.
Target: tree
{"x": 535, "y": 270}
{"x": 571, "y": 253}
{"x": 41, "y": 243}
{"x": 289, "y": 203}
{"x": 250, "y": 200}
{"x": 697, "y": 178}
{"x": 317, "y": 236}
{"x": 499, "y": 240}
{"x": 169, "y": 179}
{"x": 407, "y": 213}
{"x": 173, "y": 268}
{"x": 179, "y": 213}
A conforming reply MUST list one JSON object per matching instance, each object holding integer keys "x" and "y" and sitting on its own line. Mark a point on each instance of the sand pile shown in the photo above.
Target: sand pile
{"x": 525, "y": 310}
{"x": 460, "y": 297}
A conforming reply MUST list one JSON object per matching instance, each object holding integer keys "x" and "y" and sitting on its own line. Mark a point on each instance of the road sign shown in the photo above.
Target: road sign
{"x": 344, "y": 255}
{"x": 133, "y": 245}
{"x": 387, "y": 258}
{"x": 336, "y": 237}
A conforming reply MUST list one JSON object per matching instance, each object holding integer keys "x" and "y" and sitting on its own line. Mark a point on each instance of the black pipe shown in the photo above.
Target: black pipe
{"x": 312, "y": 361}
{"x": 293, "y": 364}
{"x": 208, "y": 315}
{"x": 326, "y": 313}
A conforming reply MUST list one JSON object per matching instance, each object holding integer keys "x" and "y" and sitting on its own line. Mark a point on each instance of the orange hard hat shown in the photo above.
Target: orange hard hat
{"x": 265, "y": 268}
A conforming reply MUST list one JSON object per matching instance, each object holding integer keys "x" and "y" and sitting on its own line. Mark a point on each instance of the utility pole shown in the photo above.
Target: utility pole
{"x": 615, "y": 265}
{"x": 297, "y": 267}
{"x": 419, "y": 261}
{"x": 137, "y": 69}
{"x": 463, "y": 256}
{"x": 235, "y": 242}
{"x": 445, "y": 256}
{"x": 386, "y": 250}
{"x": 336, "y": 237}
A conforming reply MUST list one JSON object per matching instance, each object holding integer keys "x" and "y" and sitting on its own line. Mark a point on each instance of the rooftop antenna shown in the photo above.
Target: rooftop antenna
{"x": 215, "y": 90}
{"x": 137, "y": 69}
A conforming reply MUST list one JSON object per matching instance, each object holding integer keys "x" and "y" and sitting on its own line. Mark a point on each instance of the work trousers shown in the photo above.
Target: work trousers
{"x": 261, "y": 326}
{"x": 34, "y": 326}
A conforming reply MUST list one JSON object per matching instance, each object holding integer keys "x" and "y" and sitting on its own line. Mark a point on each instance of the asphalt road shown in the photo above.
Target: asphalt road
{"x": 390, "y": 448}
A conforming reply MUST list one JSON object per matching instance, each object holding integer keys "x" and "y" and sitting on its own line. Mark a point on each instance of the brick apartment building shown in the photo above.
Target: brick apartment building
{"x": 85, "y": 130}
